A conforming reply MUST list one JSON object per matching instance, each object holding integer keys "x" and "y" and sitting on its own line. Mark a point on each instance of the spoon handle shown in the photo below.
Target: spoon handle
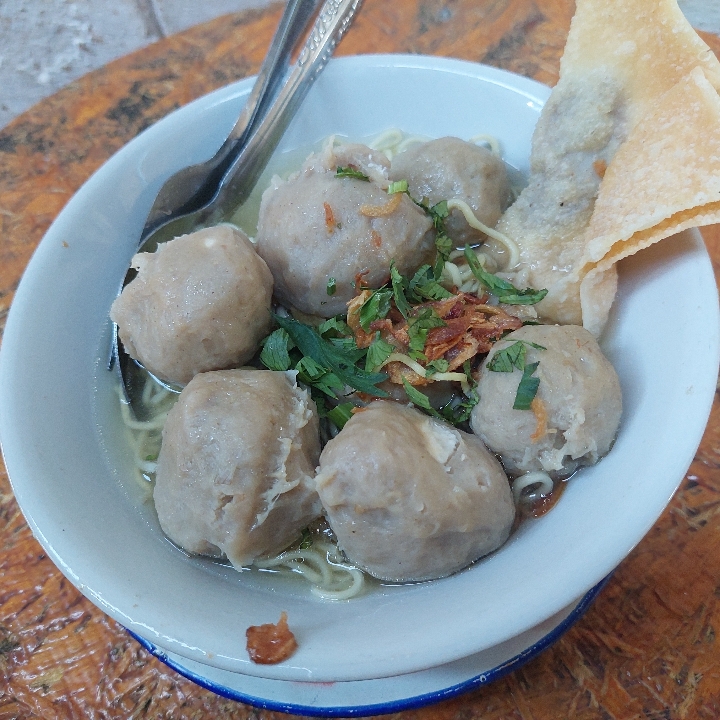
{"x": 332, "y": 22}
{"x": 274, "y": 68}
{"x": 191, "y": 188}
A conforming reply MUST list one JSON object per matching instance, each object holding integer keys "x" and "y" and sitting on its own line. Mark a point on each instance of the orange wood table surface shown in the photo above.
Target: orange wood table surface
{"x": 646, "y": 649}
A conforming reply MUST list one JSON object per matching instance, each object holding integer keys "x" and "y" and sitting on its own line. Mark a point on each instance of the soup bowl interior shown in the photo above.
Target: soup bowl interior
{"x": 67, "y": 452}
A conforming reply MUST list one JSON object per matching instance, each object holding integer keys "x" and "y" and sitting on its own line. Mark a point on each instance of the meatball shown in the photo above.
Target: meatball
{"x": 317, "y": 226}
{"x": 576, "y": 411}
{"x": 410, "y": 497}
{"x": 450, "y": 168}
{"x": 200, "y": 302}
{"x": 235, "y": 472}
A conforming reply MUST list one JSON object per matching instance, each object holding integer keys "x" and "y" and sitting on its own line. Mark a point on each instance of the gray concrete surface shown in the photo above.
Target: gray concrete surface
{"x": 703, "y": 14}
{"x": 45, "y": 44}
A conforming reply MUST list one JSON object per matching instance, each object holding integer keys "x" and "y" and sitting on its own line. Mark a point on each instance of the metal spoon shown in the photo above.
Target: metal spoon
{"x": 192, "y": 187}
{"x": 200, "y": 195}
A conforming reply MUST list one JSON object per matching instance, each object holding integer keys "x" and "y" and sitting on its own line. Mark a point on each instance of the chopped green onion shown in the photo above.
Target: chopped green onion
{"x": 377, "y": 354}
{"x": 275, "y": 354}
{"x": 341, "y": 414}
{"x": 503, "y": 290}
{"x": 420, "y": 399}
{"x": 306, "y": 540}
{"x": 376, "y": 307}
{"x": 419, "y": 325}
{"x": 351, "y": 172}
{"x": 335, "y": 326}
{"x": 459, "y": 412}
{"x": 424, "y": 286}
{"x": 436, "y": 366}
{"x": 509, "y": 358}
{"x": 527, "y": 389}
{"x": 399, "y": 186}
{"x": 312, "y": 373}
{"x": 398, "y": 285}
{"x": 312, "y": 344}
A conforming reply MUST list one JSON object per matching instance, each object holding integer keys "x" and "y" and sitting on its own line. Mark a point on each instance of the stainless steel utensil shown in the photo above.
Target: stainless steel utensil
{"x": 193, "y": 187}
{"x": 200, "y": 194}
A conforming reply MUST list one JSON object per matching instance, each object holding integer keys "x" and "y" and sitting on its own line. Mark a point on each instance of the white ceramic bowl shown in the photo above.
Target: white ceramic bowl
{"x": 64, "y": 444}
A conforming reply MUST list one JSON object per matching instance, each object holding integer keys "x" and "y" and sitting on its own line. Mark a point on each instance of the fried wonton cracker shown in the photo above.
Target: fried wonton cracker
{"x": 637, "y": 88}
{"x": 663, "y": 179}
{"x": 648, "y": 42}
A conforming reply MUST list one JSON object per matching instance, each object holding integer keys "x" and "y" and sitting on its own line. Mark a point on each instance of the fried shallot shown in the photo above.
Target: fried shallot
{"x": 271, "y": 643}
{"x": 469, "y": 327}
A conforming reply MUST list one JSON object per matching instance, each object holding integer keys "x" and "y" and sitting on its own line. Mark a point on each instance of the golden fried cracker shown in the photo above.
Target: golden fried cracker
{"x": 663, "y": 179}
{"x": 624, "y": 61}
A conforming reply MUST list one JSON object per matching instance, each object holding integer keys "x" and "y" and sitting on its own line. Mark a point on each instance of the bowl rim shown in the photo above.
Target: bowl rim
{"x": 411, "y": 691}
{"x": 48, "y": 532}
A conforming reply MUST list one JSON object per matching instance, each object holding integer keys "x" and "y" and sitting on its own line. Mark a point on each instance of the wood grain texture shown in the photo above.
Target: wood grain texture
{"x": 646, "y": 648}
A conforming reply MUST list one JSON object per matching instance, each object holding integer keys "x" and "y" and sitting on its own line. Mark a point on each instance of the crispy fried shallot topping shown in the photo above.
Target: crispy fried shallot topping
{"x": 330, "y": 223}
{"x": 600, "y": 166}
{"x": 272, "y": 643}
{"x": 541, "y": 418}
{"x": 470, "y": 328}
{"x": 383, "y": 210}
{"x": 360, "y": 282}
{"x": 362, "y": 339}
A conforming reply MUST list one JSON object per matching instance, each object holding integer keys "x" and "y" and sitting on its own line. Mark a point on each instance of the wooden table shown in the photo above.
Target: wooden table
{"x": 646, "y": 649}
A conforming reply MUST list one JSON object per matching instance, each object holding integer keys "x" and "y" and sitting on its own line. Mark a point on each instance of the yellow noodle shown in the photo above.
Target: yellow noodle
{"x": 321, "y": 565}
{"x": 421, "y": 371}
{"x": 473, "y": 222}
{"x": 490, "y": 140}
{"x": 528, "y": 480}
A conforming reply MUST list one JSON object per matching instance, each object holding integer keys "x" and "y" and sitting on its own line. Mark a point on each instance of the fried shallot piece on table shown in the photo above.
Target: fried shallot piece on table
{"x": 468, "y": 327}
{"x": 271, "y": 643}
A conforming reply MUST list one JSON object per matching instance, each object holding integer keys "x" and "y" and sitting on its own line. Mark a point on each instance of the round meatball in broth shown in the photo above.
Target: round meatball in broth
{"x": 235, "y": 472}
{"x": 200, "y": 302}
{"x": 411, "y": 498}
{"x": 575, "y": 415}
{"x": 450, "y": 168}
{"x": 318, "y": 231}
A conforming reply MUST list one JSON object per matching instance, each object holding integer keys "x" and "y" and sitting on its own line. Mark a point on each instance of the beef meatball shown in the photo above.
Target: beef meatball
{"x": 235, "y": 471}
{"x": 576, "y": 411}
{"x": 200, "y": 302}
{"x": 317, "y": 226}
{"x": 410, "y": 497}
{"x": 450, "y": 168}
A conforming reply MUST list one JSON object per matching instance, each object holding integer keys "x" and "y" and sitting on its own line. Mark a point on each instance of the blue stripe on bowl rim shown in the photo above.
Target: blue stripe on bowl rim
{"x": 410, "y": 703}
